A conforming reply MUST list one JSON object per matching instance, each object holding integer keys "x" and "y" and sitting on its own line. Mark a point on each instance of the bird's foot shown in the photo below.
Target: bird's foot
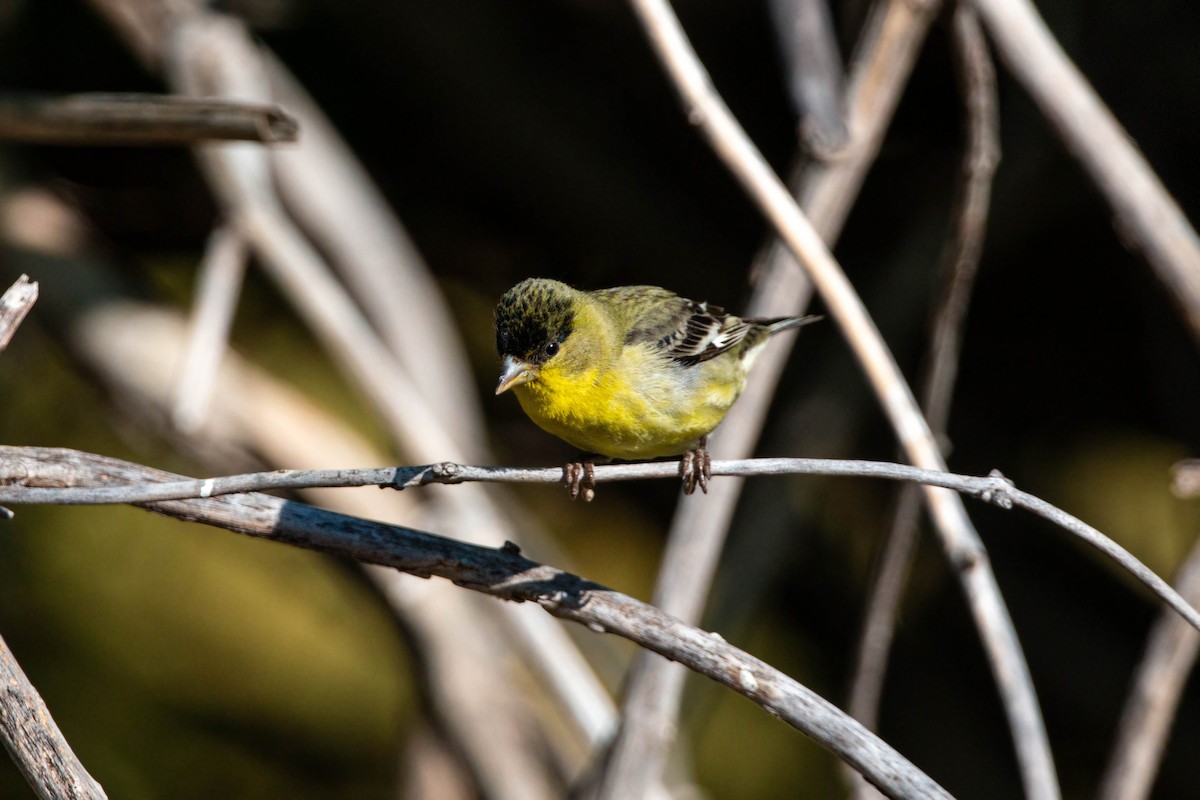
{"x": 580, "y": 479}
{"x": 695, "y": 468}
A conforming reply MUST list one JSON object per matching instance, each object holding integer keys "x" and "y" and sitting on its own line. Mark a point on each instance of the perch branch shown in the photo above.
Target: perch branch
{"x": 23, "y": 472}
{"x": 505, "y": 574}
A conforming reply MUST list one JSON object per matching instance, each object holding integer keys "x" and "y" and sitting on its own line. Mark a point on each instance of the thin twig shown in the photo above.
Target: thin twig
{"x": 34, "y": 741}
{"x": 136, "y": 119}
{"x": 981, "y": 157}
{"x": 1153, "y": 701}
{"x": 451, "y": 473}
{"x": 218, "y": 288}
{"x": 977, "y": 81}
{"x": 504, "y": 573}
{"x": 1149, "y": 219}
{"x": 14, "y": 305}
{"x": 705, "y": 109}
{"x": 19, "y": 484}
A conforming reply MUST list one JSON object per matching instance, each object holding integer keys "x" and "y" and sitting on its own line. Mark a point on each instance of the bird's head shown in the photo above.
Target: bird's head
{"x": 534, "y": 319}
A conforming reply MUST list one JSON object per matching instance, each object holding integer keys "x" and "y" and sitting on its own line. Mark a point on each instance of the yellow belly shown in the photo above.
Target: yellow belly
{"x": 640, "y": 417}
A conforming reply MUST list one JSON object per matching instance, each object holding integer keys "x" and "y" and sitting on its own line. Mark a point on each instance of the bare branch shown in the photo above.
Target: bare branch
{"x": 330, "y": 192}
{"x": 1153, "y": 701}
{"x": 34, "y": 741}
{"x": 1148, "y": 217}
{"x": 705, "y": 109}
{"x": 977, "y": 80}
{"x": 134, "y": 349}
{"x": 826, "y": 189}
{"x": 14, "y": 305}
{"x": 214, "y": 53}
{"x": 219, "y": 286}
{"x": 137, "y": 119}
{"x": 504, "y": 573}
{"x": 22, "y": 480}
{"x": 814, "y": 74}
{"x": 30, "y": 734}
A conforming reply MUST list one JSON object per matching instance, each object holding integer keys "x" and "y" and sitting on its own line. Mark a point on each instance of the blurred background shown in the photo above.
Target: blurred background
{"x": 541, "y": 138}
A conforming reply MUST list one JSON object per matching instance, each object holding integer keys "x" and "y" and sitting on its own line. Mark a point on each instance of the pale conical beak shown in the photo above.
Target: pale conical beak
{"x": 515, "y": 373}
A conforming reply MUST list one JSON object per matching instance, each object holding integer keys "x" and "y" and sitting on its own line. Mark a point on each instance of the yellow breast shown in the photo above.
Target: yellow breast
{"x": 641, "y": 406}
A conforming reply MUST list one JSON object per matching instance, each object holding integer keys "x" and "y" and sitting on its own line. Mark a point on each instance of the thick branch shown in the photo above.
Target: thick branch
{"x": 137, "y": 119}
{"x": 34, "y": 741}
{"x": 505, "y": 574}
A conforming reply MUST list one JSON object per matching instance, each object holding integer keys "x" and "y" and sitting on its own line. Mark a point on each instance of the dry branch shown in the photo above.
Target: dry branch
{"x": 218, "y": 287}
{"x": 813, "y": 72}
{"x": 22, "y": 483}
{"x": 14, "y": 305}
{"x": 34, "y": 741}
{"x": 30, "y": 734}
{"x": 1145, "y": 213}
{"x": 977, "y": 82}
{"x": 505, "y": 574}
{"x": 705, "y": 109}
{"x": 826, "y": 190}
{"x": 1153, "y": 701}
{"x": 135, "y": 348}
{"x": 135, "y": 119}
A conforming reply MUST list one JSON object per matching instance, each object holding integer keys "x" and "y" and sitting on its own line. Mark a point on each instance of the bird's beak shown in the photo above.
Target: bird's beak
{"x": 515, "y": 373}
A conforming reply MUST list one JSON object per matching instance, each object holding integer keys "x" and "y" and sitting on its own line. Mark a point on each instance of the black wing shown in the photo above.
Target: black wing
{"x": 687, "y": 331}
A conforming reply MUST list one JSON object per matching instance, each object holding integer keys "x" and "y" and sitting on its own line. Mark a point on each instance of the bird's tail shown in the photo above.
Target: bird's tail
{"x": 775, "y": 325}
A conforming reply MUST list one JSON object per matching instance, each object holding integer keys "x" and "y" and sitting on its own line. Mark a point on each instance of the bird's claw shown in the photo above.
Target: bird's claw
{"x": 580, "y": 479}
{"x": 695, "y": 468}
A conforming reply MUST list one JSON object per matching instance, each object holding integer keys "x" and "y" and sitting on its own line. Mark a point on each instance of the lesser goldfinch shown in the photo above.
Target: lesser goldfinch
{"x": 633, "y": 372}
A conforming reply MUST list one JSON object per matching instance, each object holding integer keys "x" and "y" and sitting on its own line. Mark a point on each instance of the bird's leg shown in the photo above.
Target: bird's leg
{"x": 580, "y": 477}
{"x": 695, "y": 468}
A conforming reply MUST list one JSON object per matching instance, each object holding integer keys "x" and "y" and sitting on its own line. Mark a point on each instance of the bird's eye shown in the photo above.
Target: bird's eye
{"x": 552, "y": 349}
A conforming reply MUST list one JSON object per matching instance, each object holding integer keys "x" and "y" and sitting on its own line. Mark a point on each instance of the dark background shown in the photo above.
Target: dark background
{"x": 539, "y": 138}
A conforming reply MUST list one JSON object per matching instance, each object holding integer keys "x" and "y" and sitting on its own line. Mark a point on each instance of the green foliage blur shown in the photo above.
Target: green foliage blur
{"x": 541, "y": 139}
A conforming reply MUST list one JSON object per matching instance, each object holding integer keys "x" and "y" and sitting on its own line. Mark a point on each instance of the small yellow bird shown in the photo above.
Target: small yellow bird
{"x": 632, "y": 372}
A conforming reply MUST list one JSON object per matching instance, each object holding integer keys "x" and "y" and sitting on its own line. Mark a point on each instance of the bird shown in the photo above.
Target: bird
{"x": 629, "y": 373}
